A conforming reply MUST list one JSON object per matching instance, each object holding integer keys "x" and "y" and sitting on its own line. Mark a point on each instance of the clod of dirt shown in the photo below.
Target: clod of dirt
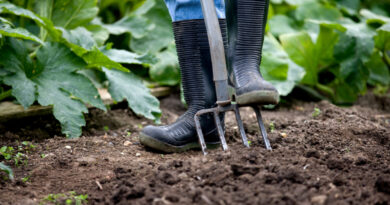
{"x": 291, "y": 174}
{"x": 169, "y": 178}
{"x": 335, "y": 164}
{"x": 382, "y": 184}
{"x": 312, "y": 153}
{"x": 239, "y": 169}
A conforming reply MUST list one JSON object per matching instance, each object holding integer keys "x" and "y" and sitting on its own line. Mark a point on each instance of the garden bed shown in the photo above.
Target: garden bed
{"x": 340, "y": 156}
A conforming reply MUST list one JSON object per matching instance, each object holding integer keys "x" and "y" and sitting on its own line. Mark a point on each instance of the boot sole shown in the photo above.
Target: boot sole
{"x": 262, "y": 97}
{"x": 148, "y": 141}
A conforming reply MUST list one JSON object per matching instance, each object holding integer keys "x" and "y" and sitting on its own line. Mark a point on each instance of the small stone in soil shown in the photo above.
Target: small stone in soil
{"x": 320, "y": 199}
{"x": 137, "y": 154}
{"x": 127, "y": 143}
{"x": 68, "y": 147}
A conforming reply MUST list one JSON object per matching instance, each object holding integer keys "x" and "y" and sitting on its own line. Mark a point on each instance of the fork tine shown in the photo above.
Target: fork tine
{"x": 240, "y": 126}
{"x": 262, "y": 128}
{"x": 220, "y": 130}
{"x": 200, "y": 135}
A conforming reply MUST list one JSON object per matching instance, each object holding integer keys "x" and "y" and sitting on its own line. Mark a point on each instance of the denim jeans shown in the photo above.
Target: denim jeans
{"x": 191, "y": 9}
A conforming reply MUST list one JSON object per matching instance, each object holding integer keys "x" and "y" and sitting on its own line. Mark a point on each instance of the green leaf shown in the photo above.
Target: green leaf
{"x": 138, "y": 26}
{"x": 124, "y": 56}
{"x": 317, "y": 11}
{"x": 70, "y": 14}
{"x": 281, "y": 24}
{"x": 7, "y": 170}
{"x": 11, "y": 8}
{"x": 277, "y": 67}
{"x": 99, "y": 33}
{"x": 161, "y": 35}
{"x": 81, "y": 42}
{"x": 166, "y": 71}
{"x": 382, "y": 38}
{"x": 14, "y": 58}
{"x": 43, "y": 22}
{"x": 379, "y": 72}
{"x": 373, "y": 18}
{"x": 350, "y": 7}
{"x": 22, "y": 33}
{"x": 55, "y": 81}
{"x": 127, "y": 86}
{"x": 301, "y": 50}
{"x": 352, "y": 51}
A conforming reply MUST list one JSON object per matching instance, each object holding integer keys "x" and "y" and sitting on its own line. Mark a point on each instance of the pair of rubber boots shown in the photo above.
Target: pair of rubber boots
{"x": 246, "y": 26}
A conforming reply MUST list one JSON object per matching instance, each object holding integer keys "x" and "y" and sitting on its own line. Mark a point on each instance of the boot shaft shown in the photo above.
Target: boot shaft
{"x": 195, "y": 63}
{"x": 246, "y": 21}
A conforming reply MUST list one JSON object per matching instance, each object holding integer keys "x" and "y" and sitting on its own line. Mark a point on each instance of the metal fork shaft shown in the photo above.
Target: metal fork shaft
{"x": 220, "y": 131}
{"x": 262, "y": 128}
{"x": 241, "y": 126}
{"x": 202, "y": 142}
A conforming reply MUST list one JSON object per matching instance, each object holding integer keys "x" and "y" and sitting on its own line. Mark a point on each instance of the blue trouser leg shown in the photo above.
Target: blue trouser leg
{"x": 191, "y": 9}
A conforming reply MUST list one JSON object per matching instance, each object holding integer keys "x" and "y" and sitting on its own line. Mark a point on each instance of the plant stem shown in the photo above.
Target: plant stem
{"x": 5, "y": 94}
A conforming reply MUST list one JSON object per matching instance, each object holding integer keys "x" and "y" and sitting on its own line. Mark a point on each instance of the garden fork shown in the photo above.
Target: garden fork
{"x": 224, "y": 103}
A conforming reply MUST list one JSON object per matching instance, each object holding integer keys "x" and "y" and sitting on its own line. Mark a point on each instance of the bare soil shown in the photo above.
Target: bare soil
{"x": 340, "y": 157}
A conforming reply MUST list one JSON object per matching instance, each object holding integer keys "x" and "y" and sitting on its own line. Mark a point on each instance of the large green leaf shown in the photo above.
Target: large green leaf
{"x": 7, "y": 30}
{"x": 9, "y": 8}
{"x": 379, "y": 72}
{"x": 138, "y": 26}
{"x": 317, "y": 11}
{"x": 14, "y": 58}
{"x": 99, "y": 33}
{"x": 70, "y": 14}
{"x": 161, "y": 35}
{"x": 382, "y": 38}
{"x": 352, "y": 51}
{"x": 302, "y": 51}
{"x": 54, "y": 81}
{"x": 127, "y": 86}
{"x": 281, "y": 24}
{"x": 277, "y": 67}
{"x": 166, "y": 71}
{"x": 373, "y": 18}
{"x": 124, "y": 56}
{"x": 81, "y": 42}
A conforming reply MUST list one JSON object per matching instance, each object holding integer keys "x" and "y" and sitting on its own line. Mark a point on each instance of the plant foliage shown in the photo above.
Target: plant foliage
{"x": 49, "y": 47}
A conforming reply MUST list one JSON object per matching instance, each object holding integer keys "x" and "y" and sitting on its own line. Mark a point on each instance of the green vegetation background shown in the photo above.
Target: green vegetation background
{"x": 58, "y": 52}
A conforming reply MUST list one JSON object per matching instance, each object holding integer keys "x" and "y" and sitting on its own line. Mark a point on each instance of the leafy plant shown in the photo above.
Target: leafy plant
{"x": 316, "y": 112}
{"x": 65, "y": 198}
{"x": 59, "y": 47}
{"x": 338, "y": 47}
{"x": 8, "y": 153}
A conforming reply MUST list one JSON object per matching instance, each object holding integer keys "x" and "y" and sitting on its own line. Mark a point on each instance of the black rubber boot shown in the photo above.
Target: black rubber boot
{"x": 246, "y": 21}
{"x": 199, "y": 91}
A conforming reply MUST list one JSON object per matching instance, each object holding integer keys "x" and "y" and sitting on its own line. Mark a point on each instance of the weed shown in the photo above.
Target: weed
{"x": 106, "y": 128}
{"x": 128, "y": 134}
{"x": 6, "y": 152}
{"x": 249, "y": 142}
{"x": 316, "y": 112}
{"x": 65, "y": 198}
{"x": 271, "y": 126}
{"x": 25, "y": 179}
{"x": 43, "y": 156}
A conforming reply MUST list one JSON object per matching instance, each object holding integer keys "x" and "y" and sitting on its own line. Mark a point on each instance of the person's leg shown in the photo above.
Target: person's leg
{"x": 197, "y": 79}
{"x": 181, "y": 10}
{"x": 246, "y": 21}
